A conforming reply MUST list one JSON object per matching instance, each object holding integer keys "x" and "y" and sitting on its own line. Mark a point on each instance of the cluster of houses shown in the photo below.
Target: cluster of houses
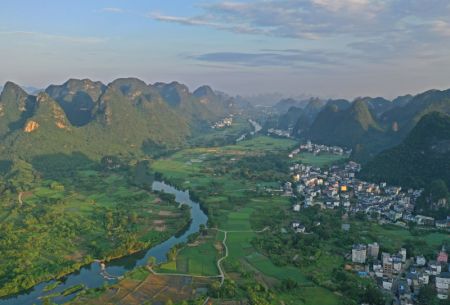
{"x": 226, "y": 122}
{"x": 279, "y": 133}
{"x": 402, "y": 276}
{"x": 317, "y": 149}
{"x": 338, "y": 188}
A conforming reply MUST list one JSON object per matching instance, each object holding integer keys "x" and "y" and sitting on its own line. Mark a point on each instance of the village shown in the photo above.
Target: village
{"x": 400, "y": 274}
{"x": 319, "y": 148}
{"x": 226, "y": 122}
{"x": 279, "y": 133}
{"x": 337, "y": 187}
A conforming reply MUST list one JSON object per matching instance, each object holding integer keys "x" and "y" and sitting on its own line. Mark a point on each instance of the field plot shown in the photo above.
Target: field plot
{"x": 198, "y": 258}
{"x": 311, "y": 296}
{"x": 148, "y": 289}
{"x": 321, "y": 160}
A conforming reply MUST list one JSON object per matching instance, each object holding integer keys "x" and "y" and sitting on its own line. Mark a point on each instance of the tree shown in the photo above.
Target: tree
{"x": 169, "y": 302}
{"x": 438, "y": 190}
{"x": 427, "y": 296}
{"x": 172, "y": 254}
{"x": 372, "y": 295}
{"x": 151, "y": 261}
{"x": 203, "y": 230}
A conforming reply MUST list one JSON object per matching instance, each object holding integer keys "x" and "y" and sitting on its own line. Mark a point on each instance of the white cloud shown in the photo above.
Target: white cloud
{"x": 375, "y": 28}
{"x": 60, "y": 38}
{"x": 441, "y": 27}
{"x": 112, "y": 10}
{"x": 336, "y": 5}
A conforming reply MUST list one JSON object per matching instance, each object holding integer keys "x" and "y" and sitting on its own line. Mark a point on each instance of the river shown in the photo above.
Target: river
{"x": 91, "y": 276}
{"x": 256, "y": 128}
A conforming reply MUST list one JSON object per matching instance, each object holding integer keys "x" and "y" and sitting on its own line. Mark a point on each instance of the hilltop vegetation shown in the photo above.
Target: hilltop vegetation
{"x": 422, "y": 157}
{"x": 367, "y": 125}
{"x": 422, "y": 160}
{"x": 122, "y": 117}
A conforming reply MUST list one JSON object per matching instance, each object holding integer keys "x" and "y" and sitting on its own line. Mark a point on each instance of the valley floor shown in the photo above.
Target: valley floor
{"x": 263, "y": 261}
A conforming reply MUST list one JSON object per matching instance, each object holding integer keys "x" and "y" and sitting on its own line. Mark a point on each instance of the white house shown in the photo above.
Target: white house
{"x": 443, "y": 285}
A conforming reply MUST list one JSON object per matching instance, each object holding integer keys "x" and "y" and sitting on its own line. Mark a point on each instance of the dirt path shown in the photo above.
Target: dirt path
{"x": 219, "y": 261}
{"x": 20, "y": 198}
{"x": 219, "y": 266}
{"x": 181, "y": 274}
{"x": 224, "y": 242}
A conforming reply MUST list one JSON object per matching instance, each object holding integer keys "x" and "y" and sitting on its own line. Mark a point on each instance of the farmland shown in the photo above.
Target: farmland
{"x": 238, "y": 186}
{"x": 320, "y": 160}
{"x": 66, "y": 220}
{"x": 239, "y": 206}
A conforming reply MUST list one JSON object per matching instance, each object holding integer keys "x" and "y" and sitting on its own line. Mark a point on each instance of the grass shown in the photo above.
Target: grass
{"x": 138, "y": 274}
{"x": 321, "y": 160}
{"x": 310, "y": 296}
{"x": 198, "y": 259}
{"x": 263, "y": 143}
{"x": 394, "y": 236}
{"x": 264, "y": 265}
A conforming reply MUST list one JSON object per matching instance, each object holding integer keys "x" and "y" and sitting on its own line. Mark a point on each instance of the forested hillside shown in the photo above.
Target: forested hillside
{"x": 422, "y": 157}
{"x": 96, "y": 119}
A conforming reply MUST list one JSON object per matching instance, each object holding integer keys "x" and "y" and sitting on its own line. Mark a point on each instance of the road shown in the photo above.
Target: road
{"x": 219, "y": 261}
{"x": 224, "y": 242}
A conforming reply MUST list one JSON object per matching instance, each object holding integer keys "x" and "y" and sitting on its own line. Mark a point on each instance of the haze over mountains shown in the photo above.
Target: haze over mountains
{"x": 368, "y": 125}
{"x": 125, "y": 115}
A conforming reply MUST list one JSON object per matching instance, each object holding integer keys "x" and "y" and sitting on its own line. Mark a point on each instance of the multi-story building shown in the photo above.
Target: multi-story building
{"x": 402, "y": 252}
{"x": 373, "y": 250}
{"x": 359, "y": 254}
{"x": 443, "y": 285}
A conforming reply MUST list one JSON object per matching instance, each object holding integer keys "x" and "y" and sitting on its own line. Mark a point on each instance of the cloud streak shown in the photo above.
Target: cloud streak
{"x": 275, "y": 58}
{"x": 115, "y": 10}
{"x": 53, "y": 37}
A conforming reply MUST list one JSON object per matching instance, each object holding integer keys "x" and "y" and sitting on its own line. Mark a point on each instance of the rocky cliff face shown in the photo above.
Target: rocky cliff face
{"x": 31, "y": 126}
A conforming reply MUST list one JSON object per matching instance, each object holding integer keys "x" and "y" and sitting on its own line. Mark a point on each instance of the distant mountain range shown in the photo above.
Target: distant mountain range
{"x": 124, "y": 116}
{"x": 368, "y": 125}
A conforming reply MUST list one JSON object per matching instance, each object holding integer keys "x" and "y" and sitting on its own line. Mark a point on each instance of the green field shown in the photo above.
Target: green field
{"x": 321, "y": 160}
{"x": 300, "y": 269}
{"x": 198, "y": 259}
{"x": 235, "y": 207}
{"x": 393, "y": 237}
{"x": 73, "y": 218}
{"x": 311, "y": 296}
{"x": 263, "y": 264}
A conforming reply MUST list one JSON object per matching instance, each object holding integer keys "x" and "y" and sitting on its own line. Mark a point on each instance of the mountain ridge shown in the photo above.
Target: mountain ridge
{"x": 99, "y": 119}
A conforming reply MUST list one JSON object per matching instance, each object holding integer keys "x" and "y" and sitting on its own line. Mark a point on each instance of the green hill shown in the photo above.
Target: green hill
{"x": 299, "y": 116}
{"x": 16, "y": 106}
{"x": 124, "y": 117}
{"x": 422, "y": 157}
{"x": 346, "y": 127}
{"x": 372, "y": 125}
{"x": 406, "y": 116}
{"x": 78, "y": 98}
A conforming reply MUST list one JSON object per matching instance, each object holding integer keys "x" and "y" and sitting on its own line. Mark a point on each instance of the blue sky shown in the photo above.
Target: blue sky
{"x": 333, "y": 48}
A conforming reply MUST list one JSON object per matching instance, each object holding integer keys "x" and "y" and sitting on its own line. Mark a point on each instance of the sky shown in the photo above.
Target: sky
{"x": 328, "y": 48}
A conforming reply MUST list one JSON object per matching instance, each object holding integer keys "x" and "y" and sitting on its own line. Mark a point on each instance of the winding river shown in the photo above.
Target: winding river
{"x": 91, "y": 276}
{"x": 256, "y": 128}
